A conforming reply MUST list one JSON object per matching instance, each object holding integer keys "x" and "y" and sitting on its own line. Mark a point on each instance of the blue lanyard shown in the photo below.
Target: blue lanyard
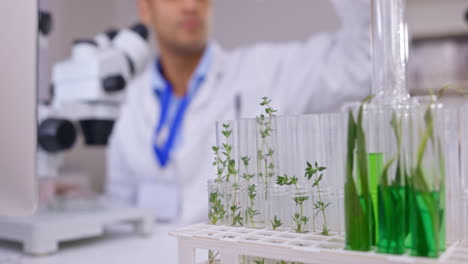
{"x": 163, "y": 150}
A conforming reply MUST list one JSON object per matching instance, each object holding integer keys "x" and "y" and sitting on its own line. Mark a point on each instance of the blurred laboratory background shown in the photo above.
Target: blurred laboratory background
{"x": 262, "y": 21}
{"x": 67, "y": 165}
{"x": 438, "y": 56}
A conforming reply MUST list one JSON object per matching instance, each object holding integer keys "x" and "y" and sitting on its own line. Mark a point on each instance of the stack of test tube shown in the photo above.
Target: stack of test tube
{"x": 293, "y": 173}
{"x": 402, "y": 184}
{"x": 280, "y": 173}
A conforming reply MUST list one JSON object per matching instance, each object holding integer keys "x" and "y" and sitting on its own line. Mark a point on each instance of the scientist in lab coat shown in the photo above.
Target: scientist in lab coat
{"x": 160, "y": 155}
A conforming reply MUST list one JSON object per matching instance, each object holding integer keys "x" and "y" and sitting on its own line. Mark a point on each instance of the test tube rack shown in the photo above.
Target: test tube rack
{"x": 234, "y": 242}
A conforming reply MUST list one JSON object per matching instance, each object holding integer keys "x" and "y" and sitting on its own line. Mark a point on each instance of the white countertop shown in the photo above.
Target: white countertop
{"x": 118, "y": 246}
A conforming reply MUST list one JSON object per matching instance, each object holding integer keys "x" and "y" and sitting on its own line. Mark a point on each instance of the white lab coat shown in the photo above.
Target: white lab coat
{"x": 314, "y": 76}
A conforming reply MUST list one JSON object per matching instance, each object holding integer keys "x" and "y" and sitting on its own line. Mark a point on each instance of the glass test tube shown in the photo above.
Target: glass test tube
{"x": 253, "y": 215}
{"x": 390, "y": 48}
{"x": 427, "y": 182}
{"x": 228, "y": 169}
{"x": 267, "y": 161}
{"x": 464, "y": 168}
{"x": 359, "y": 217}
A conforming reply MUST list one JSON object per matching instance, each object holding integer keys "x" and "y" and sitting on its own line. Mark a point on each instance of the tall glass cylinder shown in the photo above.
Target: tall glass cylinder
{"x": 390, "y": 51}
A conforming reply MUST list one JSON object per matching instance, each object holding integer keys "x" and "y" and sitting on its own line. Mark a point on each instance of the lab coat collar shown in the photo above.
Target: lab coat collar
{"x": 159, "y": 83}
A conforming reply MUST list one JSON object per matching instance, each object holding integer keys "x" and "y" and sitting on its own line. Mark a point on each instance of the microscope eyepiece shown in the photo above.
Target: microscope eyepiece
{"x": 114, "y": 83}
{"x": 112, "y": 33}
{"x": 55, "y": 135}
{"x": 45, "y": 22}
{"x": 141, "y": 30}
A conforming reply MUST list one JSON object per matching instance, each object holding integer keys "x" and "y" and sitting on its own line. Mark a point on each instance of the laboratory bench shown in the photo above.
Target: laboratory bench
{"x": 118, "y": 245}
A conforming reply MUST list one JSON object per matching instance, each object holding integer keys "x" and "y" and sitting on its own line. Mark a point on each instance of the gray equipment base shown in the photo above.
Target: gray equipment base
{"x": 40, "y": 234}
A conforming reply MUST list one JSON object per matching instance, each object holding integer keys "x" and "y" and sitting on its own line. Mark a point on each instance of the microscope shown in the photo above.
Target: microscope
{"x": 87, "y": 91}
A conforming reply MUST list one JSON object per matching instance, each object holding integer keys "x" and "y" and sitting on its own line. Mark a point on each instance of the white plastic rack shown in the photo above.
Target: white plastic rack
{"x": 233, "y": 242}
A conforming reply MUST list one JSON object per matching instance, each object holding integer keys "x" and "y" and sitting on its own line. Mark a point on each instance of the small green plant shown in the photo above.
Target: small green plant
{"x": 265, "y": 152}
{"x": 250, "y": 211}
{"x": 232, "y": 174}
{"x": 320, "y": 206}
{"x": 359, "y": 214}
{"x": 230, "y": 164}
{"x": 212, "y": 255}
{"x": 227, "y": 172}
{"x": 427, "y": 205}
{"x": 217, "y": 211}
{"x": 246, "y": 176}
{"x": 260, "y": 261}
{"x": 219, "y": 164}
{"x": 276, "y": 223}
{"x": 299, "y": 218}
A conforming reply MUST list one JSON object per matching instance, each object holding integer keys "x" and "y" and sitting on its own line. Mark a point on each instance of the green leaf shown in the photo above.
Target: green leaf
{"x": 294, "y": 180}
{"x": 283, "y": 180}
{"x": 358, "y": 231}
{"x": 275, "y": 223}
{"x": 300, "y": 199}
{"x": 384, "y": 178}
{"x": 351, "y": 146}
{"x": 367, "y": 99}
{"x": 270, "y": 153}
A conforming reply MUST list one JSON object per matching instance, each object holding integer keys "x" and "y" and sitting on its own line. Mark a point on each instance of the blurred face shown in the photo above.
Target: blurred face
{"x": 180, "y": 25}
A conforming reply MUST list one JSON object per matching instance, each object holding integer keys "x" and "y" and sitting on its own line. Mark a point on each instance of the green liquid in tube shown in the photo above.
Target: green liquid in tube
{"x": 427, "y": 224}
{"x": 392, "y": 219}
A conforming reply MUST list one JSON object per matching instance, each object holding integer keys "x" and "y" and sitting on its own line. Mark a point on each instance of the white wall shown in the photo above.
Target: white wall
{"x": 17, "y": 119}
{"x": 241, "y": 22}
{"x": 237, "y": 22}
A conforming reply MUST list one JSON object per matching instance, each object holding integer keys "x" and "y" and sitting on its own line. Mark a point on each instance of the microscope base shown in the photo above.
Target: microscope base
{"x": 41, "y": 234}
